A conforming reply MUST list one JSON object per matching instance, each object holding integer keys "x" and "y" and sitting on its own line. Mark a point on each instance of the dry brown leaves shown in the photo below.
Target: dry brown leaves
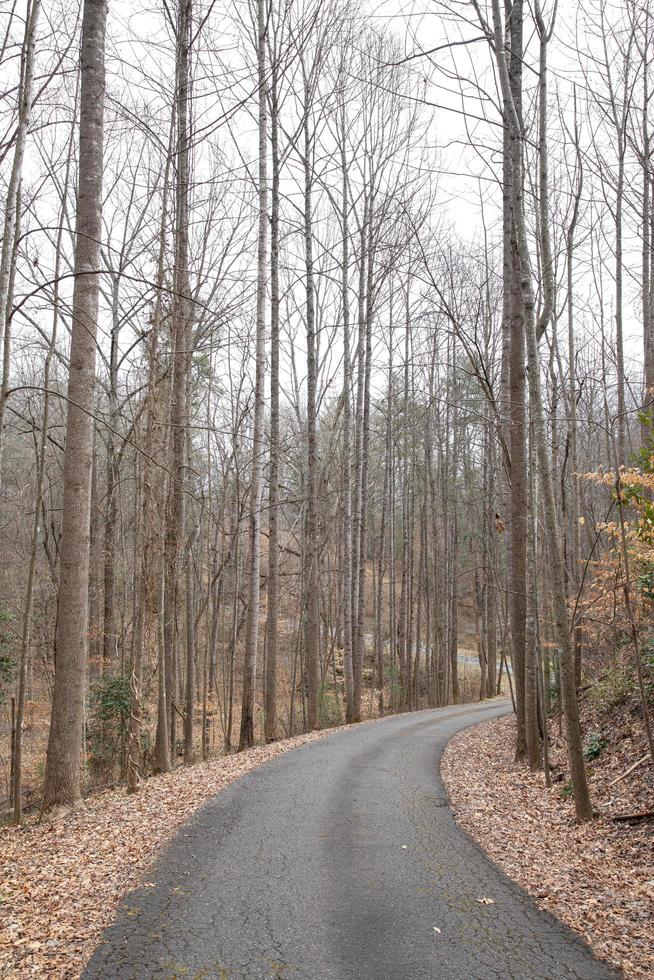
{"x": 598, "y": 878}
{"x": 61, "y": 880}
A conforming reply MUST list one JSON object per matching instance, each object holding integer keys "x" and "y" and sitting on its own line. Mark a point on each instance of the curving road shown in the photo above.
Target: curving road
{"x": 335, "y": 861}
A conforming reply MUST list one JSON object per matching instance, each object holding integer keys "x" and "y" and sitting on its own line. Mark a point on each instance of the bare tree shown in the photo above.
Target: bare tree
{"x": 246, "y": 738}
{"x": 62, "y": 774}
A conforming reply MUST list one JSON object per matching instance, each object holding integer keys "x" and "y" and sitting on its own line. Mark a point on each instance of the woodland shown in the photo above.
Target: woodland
{"x": 326, "y": 377}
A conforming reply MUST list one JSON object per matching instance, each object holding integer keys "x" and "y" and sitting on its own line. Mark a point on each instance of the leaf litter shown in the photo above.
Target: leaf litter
{"x": 61, "y": 880}
{"x": 597, "y": 877}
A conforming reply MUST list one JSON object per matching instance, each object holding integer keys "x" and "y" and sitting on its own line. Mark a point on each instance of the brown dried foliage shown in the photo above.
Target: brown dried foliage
{"x": 597, "y": 877}
{"x": 61, "y": 880}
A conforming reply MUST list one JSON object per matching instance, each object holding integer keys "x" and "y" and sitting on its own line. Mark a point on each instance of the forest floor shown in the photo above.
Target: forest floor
{"x": 61, "y": 880}
{"x": 598, "y": 877}
{"x": 39, "y": 704}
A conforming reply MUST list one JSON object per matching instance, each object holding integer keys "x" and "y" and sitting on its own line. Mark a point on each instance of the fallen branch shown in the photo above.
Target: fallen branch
{"x": 623, "y": 817}
{"x": 630, "y": 769}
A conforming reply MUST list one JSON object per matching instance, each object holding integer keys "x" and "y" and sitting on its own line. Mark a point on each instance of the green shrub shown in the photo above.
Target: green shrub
{"x": 615, "y": 688}
{"x": 646, "y": 583}
{"x": 108, "y": 728}
{"x": 648, "y": 654}
{"x": 330, "y": 709}
{"x": 595, "y": 744}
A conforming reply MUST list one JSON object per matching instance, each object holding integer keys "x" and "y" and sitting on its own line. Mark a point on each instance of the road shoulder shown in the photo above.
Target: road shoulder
{"x": 597, "y": 878}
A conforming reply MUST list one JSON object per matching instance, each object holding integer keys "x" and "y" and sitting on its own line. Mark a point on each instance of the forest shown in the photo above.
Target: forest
{"x": 264, "y": 398}
{"x": 327, "y": 337}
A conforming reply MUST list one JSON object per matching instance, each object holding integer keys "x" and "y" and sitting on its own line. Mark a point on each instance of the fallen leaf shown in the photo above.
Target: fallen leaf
{"x": 595, "y": 877}
{"x": 62, "y": 881}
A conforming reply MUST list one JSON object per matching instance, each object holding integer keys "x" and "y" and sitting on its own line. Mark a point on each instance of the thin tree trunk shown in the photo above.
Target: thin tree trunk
{"x": 312, "y": 622}
{"x": 110, "y": 637}
{"x": 358, "y": 647}
{"x": 10, "y": 232}
{"x": 246, "y": 738}
{"x": 189, "y": 754}
{"x": 152, "y": 569}
{"x": 272, "y": 609}
{"x": 347, "y": 430}
{"x": 575, "y": 514}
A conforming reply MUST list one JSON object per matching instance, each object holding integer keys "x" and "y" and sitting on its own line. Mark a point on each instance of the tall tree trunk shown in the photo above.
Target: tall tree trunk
{"x": 560, "y": 610}
{"x": 646, "y": 234}
{"x": 110, "y": 632}
{"x": 531, "y": 660}
{"x": 272, "y": 609}
{"x": 358, "y": 441}
{"x": 151, "y": 566}
{"x": 358, "y": 646}
{"x": 36, "y": 522}
{"x": 246, "y": 738}
{"x": 189, "y": 753}
{"x": 575, "y": 510}
{"x": 619, "y": 326}
{"x": 517, "y": 399}
{"x": 452, "y": 525}
{"x": 347, "y": 428}
{"x": 490, "y": 560}
{"x": 62, "y": 773}
{"x": 181, "y": 358}
{"x": 312, "y": 621}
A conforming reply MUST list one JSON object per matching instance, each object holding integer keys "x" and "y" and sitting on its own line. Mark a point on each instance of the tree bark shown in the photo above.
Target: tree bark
{"x": 246, "y": 738}
{"x": 517, "y": 397}
{"x": 583, "y": 806}
{"x": 272, "y": 609}
{"x": 312, "y": 621}
{"x": 62, "y": 773}
{"x": 347, "y": 529}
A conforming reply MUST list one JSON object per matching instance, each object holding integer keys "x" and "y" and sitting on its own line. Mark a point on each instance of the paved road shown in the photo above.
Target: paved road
{"x": 334, "y": 862}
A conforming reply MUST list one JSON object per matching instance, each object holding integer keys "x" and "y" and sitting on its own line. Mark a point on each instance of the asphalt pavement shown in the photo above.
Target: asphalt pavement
{"x": 335, "y": 861}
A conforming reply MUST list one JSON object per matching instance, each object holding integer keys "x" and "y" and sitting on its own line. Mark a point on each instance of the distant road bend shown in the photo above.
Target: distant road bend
{"x": 335, "y": 861}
